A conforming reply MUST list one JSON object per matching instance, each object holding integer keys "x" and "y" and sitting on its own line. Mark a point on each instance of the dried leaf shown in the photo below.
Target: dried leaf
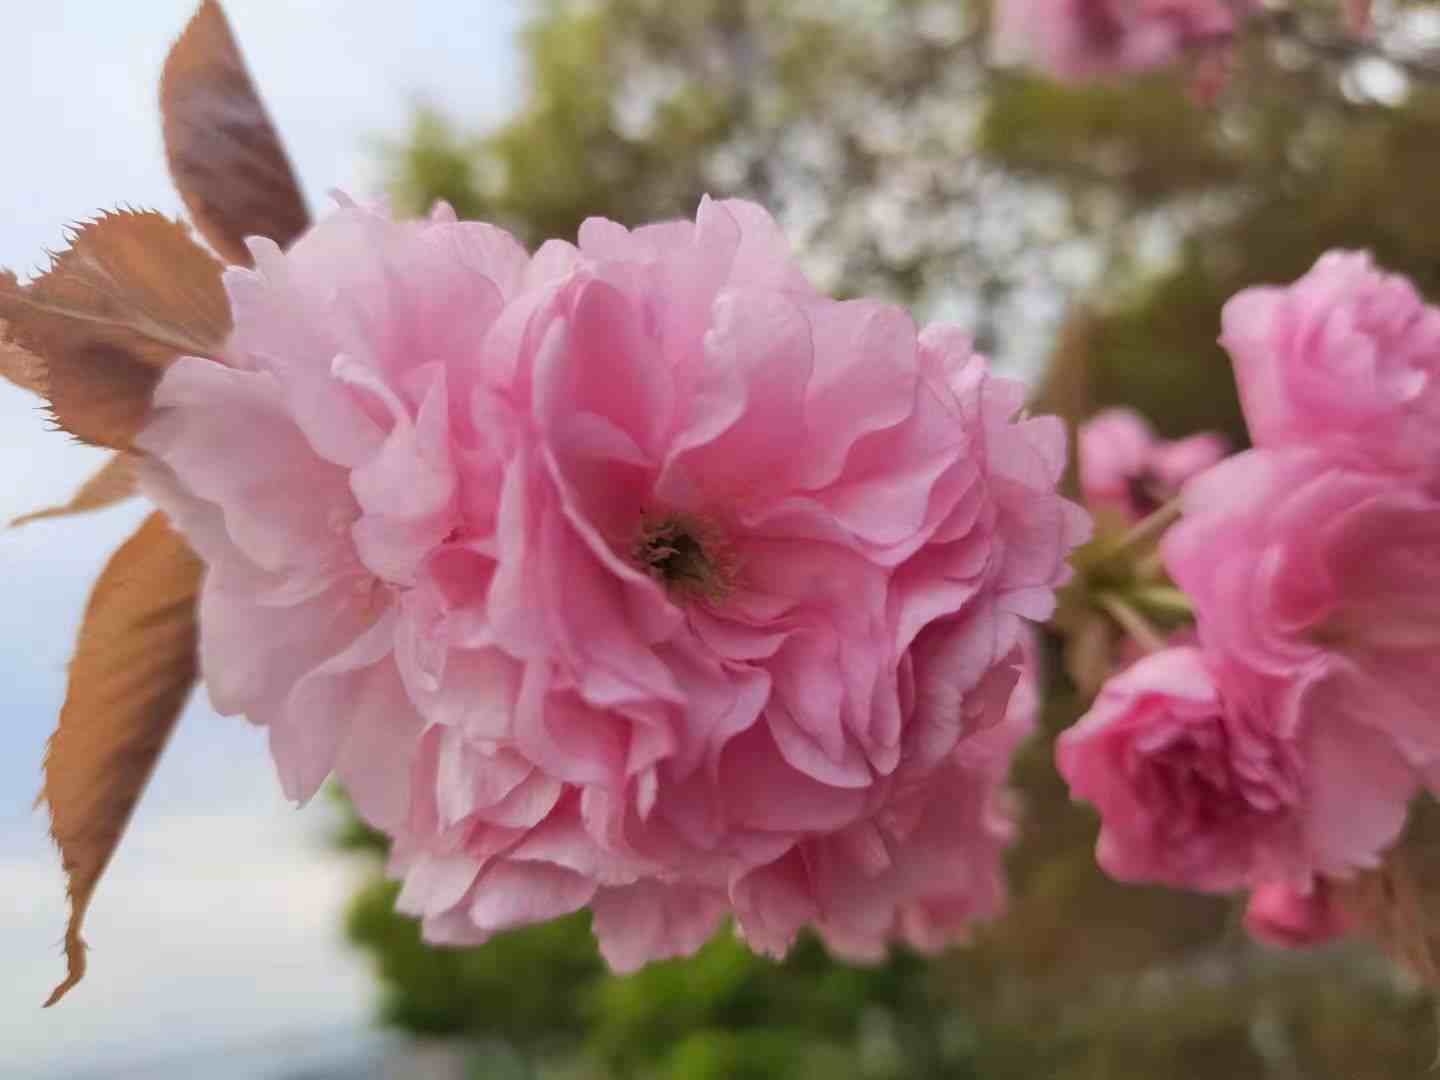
{"x": 131, "y": 293}
{"x": 114, "y": 483}
{"x": 224, "y": 153}
{"x": 1398, "y": 904}
{"x": 1388, "y": 905}
{"x": 1067, "y": 389}
{"x": 134, "y": 664}
{"x": 20, "y": 366}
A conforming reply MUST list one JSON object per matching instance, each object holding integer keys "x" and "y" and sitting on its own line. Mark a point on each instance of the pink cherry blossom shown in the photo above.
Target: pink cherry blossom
{"x": 1359, "y": 19}
{"x": 1295, "y": 916}
{"x": 633, "y": 575}
{"x": 1086, "y": 39}
{"x": 1302, "y": 568}
{"x": 1125, "y": 469}
{"x": 1346, "y": 359}
{"x": 1207, "y": 783}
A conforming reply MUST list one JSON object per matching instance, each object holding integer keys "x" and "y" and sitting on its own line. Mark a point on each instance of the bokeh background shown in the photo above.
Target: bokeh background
{"x": 1087, "y": 235}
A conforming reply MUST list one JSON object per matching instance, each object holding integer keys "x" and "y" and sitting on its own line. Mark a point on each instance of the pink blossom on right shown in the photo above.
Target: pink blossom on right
{"x": 1346, "y": 359}
{"x": 1078, "y": 40}
{"x": 1299, "y": 567}
{"x": 1290, "y": 916}
{"x": 1208, "y": 784}
{"x": 1281, "y": 752}
{"x": 1125, "y": 469}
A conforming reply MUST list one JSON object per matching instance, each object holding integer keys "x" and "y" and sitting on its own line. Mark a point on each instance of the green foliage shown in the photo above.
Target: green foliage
{"x": 727, "y": 1005}
{"x": 562, "y": 159}
{"x": 724, "y": 1013}
{"x": 435, "y": 162}
{"x": 1119, "y": 136}
{"x": 526, "y": 988}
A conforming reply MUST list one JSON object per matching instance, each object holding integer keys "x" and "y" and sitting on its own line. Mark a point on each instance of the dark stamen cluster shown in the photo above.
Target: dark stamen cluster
{"x": 683, "y": 554}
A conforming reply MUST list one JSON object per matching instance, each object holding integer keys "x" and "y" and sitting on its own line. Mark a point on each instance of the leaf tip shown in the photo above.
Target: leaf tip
{"x": 74, "y": 964}
{"x": 113, "y": 726}
{"x": 224, "y": 153}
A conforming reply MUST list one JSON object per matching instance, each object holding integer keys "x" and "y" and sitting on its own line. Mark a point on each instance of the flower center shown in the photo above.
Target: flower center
{"x": 684, "y": 553}
{"x": 1147, "y": 493}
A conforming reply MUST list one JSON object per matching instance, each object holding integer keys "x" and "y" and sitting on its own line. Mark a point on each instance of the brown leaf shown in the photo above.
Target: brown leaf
{"x": 1067, "y": 391}
{"x": 1388, "y": 905}
{"x": 1398, "y": 903}
{"x": 131, "y": 293}
{"x": 113, "y": 483}
{"x": 134, "y": 664}
{"x": 224, "y": 153}
{"x": 20, "y": 366}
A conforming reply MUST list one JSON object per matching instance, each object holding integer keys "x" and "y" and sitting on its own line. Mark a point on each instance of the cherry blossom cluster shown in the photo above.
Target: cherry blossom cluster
{"x": 633, "y": 575}
{"x": 1276, "y": 749}
{"x": 1084, "y": 41}
{"x": 1079, "y": 40}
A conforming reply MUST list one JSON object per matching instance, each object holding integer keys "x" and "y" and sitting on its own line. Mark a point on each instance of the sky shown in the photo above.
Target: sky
{"x": 219, "y": 923}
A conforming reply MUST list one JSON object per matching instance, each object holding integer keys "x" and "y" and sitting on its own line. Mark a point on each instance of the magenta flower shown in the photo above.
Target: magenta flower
{"x": 1213, "y": 787}
{"x": 1124, "y": 468}
{"x": 635, "y": 575}
{"x": 1346, "y": 359}
{"x": 1299, "y": 568}
{"x": 1295, "y": 916}
{"x": 1087, "y": 39}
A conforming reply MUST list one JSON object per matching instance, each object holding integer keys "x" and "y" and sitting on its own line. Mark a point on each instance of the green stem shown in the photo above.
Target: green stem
{"x": 1150, "y": 567}
{"x": 1147, "y": 529}
{"x": 1164, "y": 600}
{"x": 1136, "y": 625}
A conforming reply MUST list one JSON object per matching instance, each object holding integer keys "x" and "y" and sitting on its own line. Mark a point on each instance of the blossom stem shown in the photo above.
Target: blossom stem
{"x": 1164, "y": 600}
{"x": 1137, "y": 626}
{"x": 1148, "y": 528}
{"x": 1150, "y": 567}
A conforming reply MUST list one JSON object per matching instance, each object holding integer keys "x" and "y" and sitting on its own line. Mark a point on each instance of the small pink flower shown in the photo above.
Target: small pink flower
{"x": 1295, "y": 917}
{"x": 633, "y": 575}
{"x": 1359, "y": 19}
{"x": 1301, "y": 568}
{"x": 1346, "y": 359}
{"x": 1213, "y": 787}
{"x": 1124, "y": 468}
{"x": 1086, "y": 39}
